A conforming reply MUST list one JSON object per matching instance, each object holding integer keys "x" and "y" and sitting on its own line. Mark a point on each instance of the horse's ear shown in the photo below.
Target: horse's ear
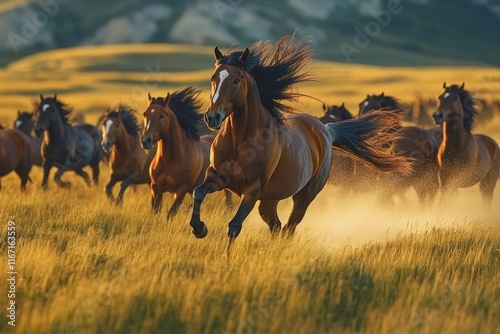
{"x": 444, "y": 85}
{"x": 18, "y": 112}
{"x": 167, "y": 98}
{"x": 367, "y": 96}
{"x": 324, "y": 107}
{"x": 244, "y": 56}
{"x": 463, "y": 85}
{"x": 217, "y": 54}
{"x": 41, "y": 97}
{"x": 55, "y": 96}
{"x": 149, "y": 97}
{"x": 343, "y": 105}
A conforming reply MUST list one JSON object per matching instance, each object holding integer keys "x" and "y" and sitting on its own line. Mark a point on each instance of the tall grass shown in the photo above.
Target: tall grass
{"x": 86, "y": 266}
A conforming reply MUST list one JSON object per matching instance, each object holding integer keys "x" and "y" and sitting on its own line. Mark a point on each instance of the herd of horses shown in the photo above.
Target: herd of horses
{"x": 258, "y": 148}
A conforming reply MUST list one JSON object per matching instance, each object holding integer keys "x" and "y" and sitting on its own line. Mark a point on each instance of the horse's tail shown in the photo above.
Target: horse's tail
{"x": 371, "y": 138}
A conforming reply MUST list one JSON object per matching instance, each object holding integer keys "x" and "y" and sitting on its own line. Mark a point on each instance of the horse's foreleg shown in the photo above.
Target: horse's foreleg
{"x": 109, "y": 188}
{"x": 95, "y": 171}
{"x": 179, "y": 197}
{"x": 46, "y": 171}
{"x": 212, "y": 183}
{"x": 156, "y": 198}
{"x": 133, "y": 179}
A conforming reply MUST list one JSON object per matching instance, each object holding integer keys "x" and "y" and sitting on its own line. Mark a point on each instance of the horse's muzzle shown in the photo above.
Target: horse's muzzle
{"x": 106, "y": 146}
{"x": 146, "y": 142}
{"x": 214, "y": 119}
{"x": 438, "y": 117}
{"x": 39, "y": 130}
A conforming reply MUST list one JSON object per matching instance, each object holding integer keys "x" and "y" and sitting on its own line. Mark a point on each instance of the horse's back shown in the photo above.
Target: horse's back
{"x": 305, "y": 154}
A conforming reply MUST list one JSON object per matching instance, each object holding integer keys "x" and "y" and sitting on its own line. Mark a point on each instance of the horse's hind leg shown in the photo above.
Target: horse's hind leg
{"x": 487, "y": 186}
{"x": 57, "y": 178}
{"x": 268, "y": 212}
{"x": 84, "y": 175}
{"x": 301, "y": 201}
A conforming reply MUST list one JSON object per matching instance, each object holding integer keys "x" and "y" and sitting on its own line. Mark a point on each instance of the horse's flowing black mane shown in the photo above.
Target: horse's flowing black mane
{"x": 276, "y": 69}
{"x": 127, "y": 115}
{"x": 186, "y": 106}
{"x": 469, "y": 104}
{"x": 62, "y": 108}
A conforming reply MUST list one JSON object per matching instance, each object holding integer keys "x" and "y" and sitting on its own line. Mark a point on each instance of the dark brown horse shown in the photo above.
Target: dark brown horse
{"x": 465, "y": 159}
{"x": 65, "y": 146}
{"x": 332, "y": 114}
{"x": 420, "y": 144}
{"x": 182, "y": 155}
{"x": 15, "y": 154}
{"x": 128, "y": 162}
{"x": 24, "y": 123}
{"x": 262, "y": 154}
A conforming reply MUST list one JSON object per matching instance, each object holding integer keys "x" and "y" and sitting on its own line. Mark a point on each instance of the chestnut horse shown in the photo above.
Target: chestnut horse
{"x": 262, "y": 154}
{"x": 15, "y": 154}
{"x": 421, "y": 144}
{"x": 182, "y": 155}
{"x": 65, "y": 146}
{"x": 128, "y": 162}
{"x": 24, "y": 123}
{"x": 465, "y": 159}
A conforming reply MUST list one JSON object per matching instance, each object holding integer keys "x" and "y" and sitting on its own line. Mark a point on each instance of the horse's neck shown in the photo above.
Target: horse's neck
{"x": 55, "y": 131}
{"x": 455, "y": 138}
{"x": 127, "y": 146}
{"x": 173, "y": 140}
{"x": 250, "y": 118}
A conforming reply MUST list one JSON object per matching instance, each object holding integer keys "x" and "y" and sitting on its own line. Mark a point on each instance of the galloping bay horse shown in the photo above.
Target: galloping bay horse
{"x": 265, "y": 153}
{"x": 182, "y": 155}
{"x": 128, "y": 162}
{"x": 465, "y": 159}
{"x": 15, "y": 154}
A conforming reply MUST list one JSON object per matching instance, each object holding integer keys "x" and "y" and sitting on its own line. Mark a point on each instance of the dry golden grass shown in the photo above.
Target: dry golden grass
{"x": 86, "y": 266}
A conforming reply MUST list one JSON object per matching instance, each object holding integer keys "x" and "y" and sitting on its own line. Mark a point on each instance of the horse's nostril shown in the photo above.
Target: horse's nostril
{"x": 217, "y": 117}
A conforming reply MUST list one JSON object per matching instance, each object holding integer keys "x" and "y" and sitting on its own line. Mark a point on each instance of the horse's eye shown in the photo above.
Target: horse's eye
{"x": 236, "y": 81}
{"x": 162, "y": 116}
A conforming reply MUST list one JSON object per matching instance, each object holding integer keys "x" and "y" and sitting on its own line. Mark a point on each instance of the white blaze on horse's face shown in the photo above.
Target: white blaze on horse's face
{"x": 148, "y": 125}
{"x": 365, "y": 104}
{"x": 18, "y": 124}
{"x": 446, "y": 95}
{"x": 45, "y": 107}
{"x": 108, "y": 126}
{"x": 222, "y": 75}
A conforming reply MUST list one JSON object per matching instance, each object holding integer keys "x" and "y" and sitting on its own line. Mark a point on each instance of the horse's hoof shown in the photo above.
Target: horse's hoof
{"x": 233, "y": 232}
{"x": 203, "y": 233}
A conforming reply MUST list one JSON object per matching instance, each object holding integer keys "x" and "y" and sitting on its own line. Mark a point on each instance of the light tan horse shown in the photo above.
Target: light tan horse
{"x": 264, "y": 155}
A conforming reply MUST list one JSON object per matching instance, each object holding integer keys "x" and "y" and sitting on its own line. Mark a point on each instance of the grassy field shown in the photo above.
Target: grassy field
{"x": 86, "y": 266}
